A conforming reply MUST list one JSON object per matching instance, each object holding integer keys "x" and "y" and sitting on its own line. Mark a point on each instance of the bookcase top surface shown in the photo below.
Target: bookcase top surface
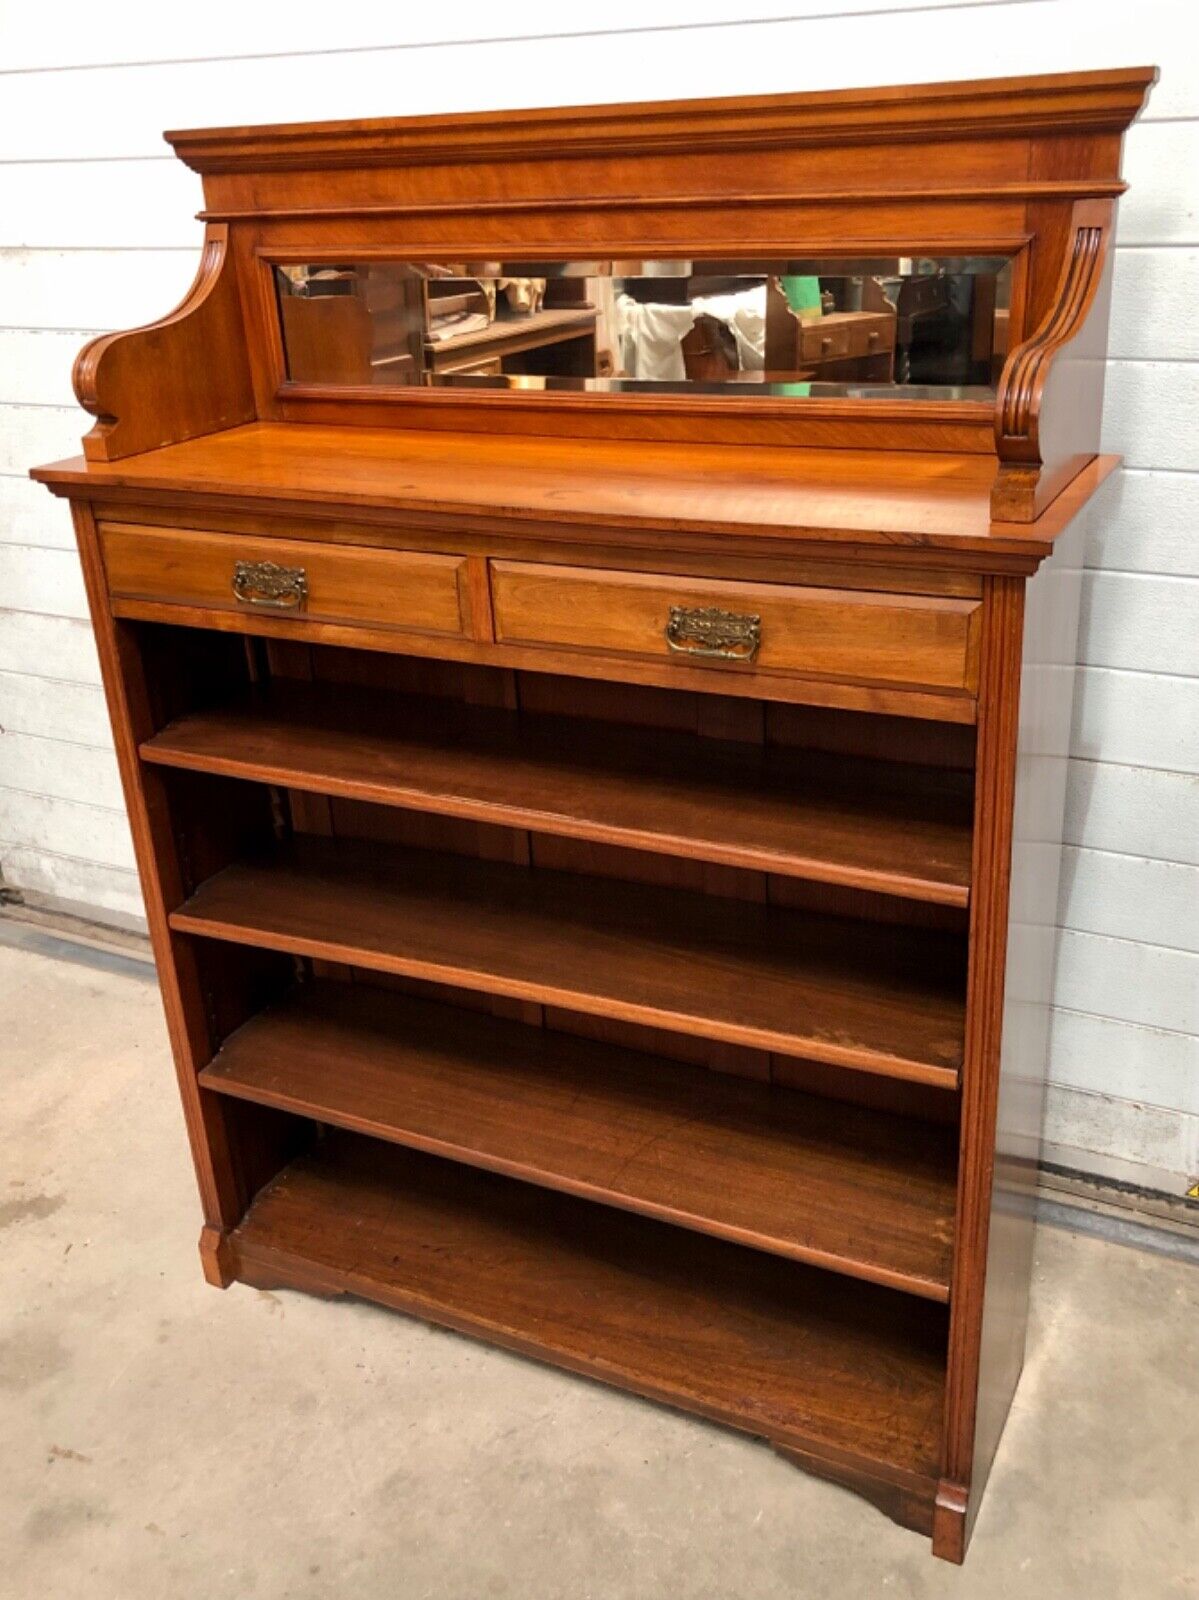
{"x": 909, "y": 499}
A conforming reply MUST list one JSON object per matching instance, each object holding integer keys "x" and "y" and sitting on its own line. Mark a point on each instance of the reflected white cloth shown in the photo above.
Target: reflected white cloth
{"x": 651, "y": 336}
{"x": 745, "y": 314}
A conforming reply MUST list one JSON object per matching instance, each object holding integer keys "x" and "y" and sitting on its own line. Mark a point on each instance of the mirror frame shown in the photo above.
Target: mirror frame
{"x": 577, "y": 266}
{"x": 876, "y": 422}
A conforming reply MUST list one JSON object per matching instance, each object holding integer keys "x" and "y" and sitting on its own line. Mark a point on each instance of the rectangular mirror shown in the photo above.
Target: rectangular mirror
{"x": 916, "y": 327}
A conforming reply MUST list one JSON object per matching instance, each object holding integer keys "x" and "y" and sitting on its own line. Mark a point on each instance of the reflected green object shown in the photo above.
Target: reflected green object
{"x": 803, "y": 294}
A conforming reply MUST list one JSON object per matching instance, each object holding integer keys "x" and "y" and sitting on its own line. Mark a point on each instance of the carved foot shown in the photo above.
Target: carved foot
{"x": 214, "y": 1257}
{"x": 949, "y": 1522}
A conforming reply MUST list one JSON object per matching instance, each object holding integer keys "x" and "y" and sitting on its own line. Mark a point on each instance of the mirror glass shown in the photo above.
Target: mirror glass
{"x": 917, "y": 327}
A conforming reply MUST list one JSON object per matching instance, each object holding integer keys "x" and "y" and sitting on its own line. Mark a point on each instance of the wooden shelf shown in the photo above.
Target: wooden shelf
{"x": 769, "y": 495}
{"x": 845, "y": 1372}
{"x": 855, "y": 994}
{"x": 830, "y": 1184}
{"x": 869, "y": 825}
{"x": 508, "y": 335}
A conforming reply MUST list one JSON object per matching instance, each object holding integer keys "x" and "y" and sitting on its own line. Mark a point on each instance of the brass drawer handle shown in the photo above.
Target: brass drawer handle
{"x": 264, "y": 583}
{"x": 708, "y": 631}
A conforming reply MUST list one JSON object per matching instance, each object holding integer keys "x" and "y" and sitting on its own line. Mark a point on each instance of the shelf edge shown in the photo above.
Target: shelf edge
{"x": 867, "y": 1272}
{"x": 902, "y": 886}
{"x": 856, "y": 1059}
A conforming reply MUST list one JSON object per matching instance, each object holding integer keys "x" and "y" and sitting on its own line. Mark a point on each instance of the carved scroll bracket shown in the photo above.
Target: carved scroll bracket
{"x": 1050, "y": 396}
{"x": 175, "y": 379}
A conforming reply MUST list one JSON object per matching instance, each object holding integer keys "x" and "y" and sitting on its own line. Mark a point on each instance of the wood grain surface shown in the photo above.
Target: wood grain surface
{"x": 800, "y": 1176}
{"x": 849, "y": 1371}
{"x": 876, "y": 825}
{"x": 409, "y": 590}
{"x": 855, "y": 994}
{"x": 920, "y": 641}
{"x": 921, "y": 499}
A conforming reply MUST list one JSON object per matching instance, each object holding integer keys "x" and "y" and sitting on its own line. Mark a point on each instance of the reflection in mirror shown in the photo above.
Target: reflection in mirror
{"x": 912, "y": 327}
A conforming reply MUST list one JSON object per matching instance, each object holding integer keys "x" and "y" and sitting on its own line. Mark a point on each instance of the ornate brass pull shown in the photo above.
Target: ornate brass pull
{"x": 708, "y": 631}
{"x": 264, "y": 583}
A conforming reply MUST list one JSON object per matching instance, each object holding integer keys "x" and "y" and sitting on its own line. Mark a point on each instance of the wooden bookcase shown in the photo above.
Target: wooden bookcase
{"x": 601, "y": 848}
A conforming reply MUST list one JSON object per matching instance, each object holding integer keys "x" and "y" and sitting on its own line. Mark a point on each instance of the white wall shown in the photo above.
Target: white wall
{"x": 99, "y": 220}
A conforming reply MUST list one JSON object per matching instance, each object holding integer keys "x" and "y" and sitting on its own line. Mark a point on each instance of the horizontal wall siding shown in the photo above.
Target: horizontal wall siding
{"x": 60, "y": 769}
{"x": 1122, "y": 1135}
{"x": 25, "y": 516}
{"x": 1153, "y": 985}
{"x": 1141, "y": 622}
{"x": 97, "y": 289}
{"x": 77, "y": 829}
{"x": 124, "y": 107}
{"x": 1137, "y": 719}
{"x": 1167, "y": 280}
{"x": 35, "y": 364}
{"x": 98, "y": 231}
{"x": 45, "y": 581}
{"x": 1149, "y": 525}
{"x": 1165, "y": 390}
{"x": 1134, "y": 810}
{"x": 35, "y": 38}
{"x": 74, "y": 713}
{"x": 32, "y": 433}
{"x": 1160, "y": 1068}
{"x": 99, "y": 892}
{"x": 1130, "y": 897}
{"x": 35, "y": 645}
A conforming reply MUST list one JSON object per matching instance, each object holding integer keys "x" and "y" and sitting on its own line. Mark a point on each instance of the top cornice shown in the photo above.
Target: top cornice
{"x": 1060, "y": 103}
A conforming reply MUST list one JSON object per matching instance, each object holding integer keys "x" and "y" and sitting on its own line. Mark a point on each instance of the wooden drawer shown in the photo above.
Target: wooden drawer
{"x": 871, "y": 336}
{"x": 287, "y": 578}
{"x": 920, "y": 641}
{"x": 825, "y": 340}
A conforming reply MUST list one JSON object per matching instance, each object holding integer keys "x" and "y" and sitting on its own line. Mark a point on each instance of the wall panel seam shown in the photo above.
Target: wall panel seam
{"x": 1123, "y": 938}
{"x": 1129, "y": 766}
{"x": 46, "y": 677}
{"x": 41, "y": 794}
{"x": 1121, "y": 1099}
{"x": 1121, "y": 1022}
{"x": 51, "y": 738}
{"x": 60, "y": 855}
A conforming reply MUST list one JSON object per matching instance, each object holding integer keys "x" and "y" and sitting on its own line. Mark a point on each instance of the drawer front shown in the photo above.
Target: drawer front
{"x": 287, "y": 578}
{"x": 919, "y": 641}
{"x": 871, "y": 336}
{"x": 825, "y": 341}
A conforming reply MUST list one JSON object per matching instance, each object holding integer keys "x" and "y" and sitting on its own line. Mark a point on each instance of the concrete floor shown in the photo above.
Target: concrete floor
{"x": 160, "y": 1439}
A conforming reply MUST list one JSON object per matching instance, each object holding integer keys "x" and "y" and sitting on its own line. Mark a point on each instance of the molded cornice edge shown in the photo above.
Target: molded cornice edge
{"x": 1090, "y": 102}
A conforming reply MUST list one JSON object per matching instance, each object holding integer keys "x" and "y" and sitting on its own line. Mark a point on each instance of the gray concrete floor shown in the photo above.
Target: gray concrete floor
{"x": 159, "y": 1439}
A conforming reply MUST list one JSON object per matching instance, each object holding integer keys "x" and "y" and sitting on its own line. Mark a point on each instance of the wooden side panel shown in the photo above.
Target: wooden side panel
{"x": 999, "y": 682}
{"x": 1026, "y": 700}
{"x": 1046, "y": 704}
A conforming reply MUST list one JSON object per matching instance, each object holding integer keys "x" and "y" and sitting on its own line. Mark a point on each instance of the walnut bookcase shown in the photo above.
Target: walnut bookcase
{"x": 601, "y": 848}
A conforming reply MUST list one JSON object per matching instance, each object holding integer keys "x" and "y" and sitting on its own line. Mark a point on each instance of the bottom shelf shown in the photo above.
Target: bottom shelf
{"x": 847, "y": 1375}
